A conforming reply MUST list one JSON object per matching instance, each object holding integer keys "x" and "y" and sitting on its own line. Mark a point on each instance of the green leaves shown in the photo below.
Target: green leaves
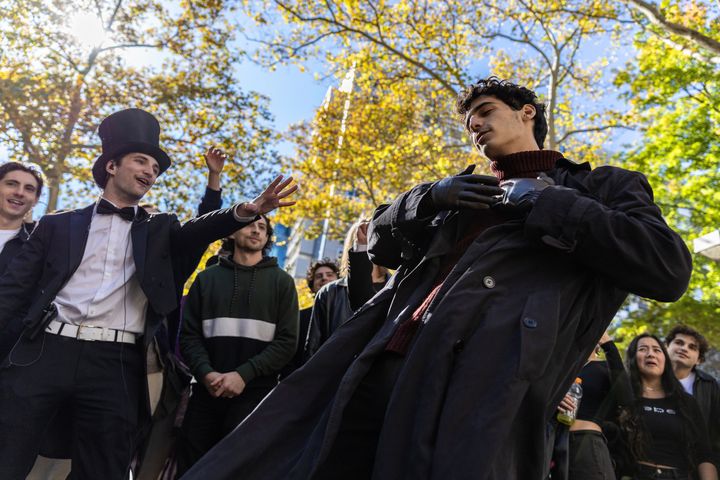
{"x": 55, "y": 89}
{"x": 673, "y": 92}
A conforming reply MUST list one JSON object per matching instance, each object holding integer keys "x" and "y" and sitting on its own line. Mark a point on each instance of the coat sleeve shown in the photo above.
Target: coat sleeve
{"x": 620, "y": 394}
{"x": 211, "y": 201}
{"x": 617, "y": 230}
{"x": 281, "y": 349}
{"x": 359, "y": 278}
{"x": 402, "y": 230}
{"x": 714, "y": 417}
{"x": 201, "y": 231}
{"x": 701, "y": 440}
{"x": 22, "y": 278}
{"x": 319, "y": 323}
{"x": 192, "y": 345}
{"x": 190, "y": 240}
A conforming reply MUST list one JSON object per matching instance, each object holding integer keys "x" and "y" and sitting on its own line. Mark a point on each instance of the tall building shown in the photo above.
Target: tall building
{"x": 302, "y": 251}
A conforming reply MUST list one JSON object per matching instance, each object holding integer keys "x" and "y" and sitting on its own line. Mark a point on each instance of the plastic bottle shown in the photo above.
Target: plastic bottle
{"x": 568, "y": 416}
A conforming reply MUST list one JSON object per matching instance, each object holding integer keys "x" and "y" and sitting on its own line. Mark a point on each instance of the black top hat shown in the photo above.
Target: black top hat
{"x": 128, "y": 131}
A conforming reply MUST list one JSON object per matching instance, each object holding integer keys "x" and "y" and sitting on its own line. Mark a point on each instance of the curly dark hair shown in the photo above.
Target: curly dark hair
{"x": 511, "y": 94}
{"x": 631, "y": 421}
{"x": 8, "y": 167}
{"x": 703, "y": 345}
{"x": 323, "y": 262}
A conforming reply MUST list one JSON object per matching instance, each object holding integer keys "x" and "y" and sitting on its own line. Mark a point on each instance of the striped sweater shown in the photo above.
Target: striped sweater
{"x": 240, "y": 318}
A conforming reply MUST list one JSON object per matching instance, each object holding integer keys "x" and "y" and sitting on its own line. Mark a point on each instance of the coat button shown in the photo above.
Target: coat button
{"x": 529, "y": 322}
{"x": 489, "y": 282}
{"x": 458, "y": 347}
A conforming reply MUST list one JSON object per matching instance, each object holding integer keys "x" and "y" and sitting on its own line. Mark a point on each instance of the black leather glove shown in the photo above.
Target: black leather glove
{"x": 465, "y": 191}
{"x": 520, "y": 194}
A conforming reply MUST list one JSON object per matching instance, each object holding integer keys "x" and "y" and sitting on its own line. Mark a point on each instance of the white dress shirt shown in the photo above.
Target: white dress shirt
{"x": 104, "y": 291}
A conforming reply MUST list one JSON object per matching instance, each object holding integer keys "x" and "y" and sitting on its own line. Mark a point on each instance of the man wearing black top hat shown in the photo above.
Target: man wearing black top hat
{"x": 95, "y": 284}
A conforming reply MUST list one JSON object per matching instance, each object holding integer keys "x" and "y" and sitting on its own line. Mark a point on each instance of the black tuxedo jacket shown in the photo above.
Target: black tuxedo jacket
{"x": 165, "y": 254}
{"x": 13, "y": 246}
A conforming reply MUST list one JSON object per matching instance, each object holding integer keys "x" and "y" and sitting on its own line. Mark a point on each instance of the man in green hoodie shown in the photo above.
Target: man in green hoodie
{"x": 240, "y": 327}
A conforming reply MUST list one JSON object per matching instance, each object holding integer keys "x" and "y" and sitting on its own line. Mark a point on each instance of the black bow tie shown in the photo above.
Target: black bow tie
{"x": 107, "y": 208}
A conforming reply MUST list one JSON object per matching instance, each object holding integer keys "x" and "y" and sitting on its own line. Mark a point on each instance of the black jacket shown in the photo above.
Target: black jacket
{"x": 13, "y": 246}
{"x": 335, "y": 302}
{"x": 9, "y": 336}
{"x": 165, "y": 254}
{"x": 509, "y": 330}
{"x": 707, "y": 395}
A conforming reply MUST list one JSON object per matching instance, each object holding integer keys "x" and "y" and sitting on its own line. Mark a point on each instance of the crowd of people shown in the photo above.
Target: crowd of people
{"x": 441, "y": 346}
{"x": 654, "y": 417}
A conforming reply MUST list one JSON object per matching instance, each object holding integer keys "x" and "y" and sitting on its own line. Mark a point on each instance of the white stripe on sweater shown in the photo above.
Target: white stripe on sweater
{"x": 238, "y": 327}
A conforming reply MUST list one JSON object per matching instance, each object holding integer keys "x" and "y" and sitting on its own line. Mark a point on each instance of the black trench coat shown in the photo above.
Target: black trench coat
{"x": 500, "y": 345}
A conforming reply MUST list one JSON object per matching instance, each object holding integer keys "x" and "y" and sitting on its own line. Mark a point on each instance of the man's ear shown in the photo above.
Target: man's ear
{"x": 528, "y": 112}
{"x": 110, "y": 167}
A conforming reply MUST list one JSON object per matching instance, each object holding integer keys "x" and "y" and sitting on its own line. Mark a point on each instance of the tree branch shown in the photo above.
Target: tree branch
{"x": 591, "y": 129}
{"x": 653, "y": 14}
{"x": 129, "y": 45}
{"x": 374, "y": 40}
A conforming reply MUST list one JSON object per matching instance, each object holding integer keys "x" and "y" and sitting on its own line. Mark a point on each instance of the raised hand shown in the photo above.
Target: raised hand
{"x": 361, "y": 234}
{"x": 270, "y": 199}
{"x": 215, "y": 160}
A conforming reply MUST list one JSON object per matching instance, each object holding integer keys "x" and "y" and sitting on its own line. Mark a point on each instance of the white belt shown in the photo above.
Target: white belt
{"x": 90, "y": 333}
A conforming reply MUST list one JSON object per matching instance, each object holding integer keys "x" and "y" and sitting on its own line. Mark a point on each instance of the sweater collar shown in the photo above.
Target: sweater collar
{"x": 524, "y": 164}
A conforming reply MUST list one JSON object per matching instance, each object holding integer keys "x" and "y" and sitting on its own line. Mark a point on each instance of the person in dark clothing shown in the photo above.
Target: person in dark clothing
{"x": 320, "y": 273}
{"x": 168, "y": 386}
{"x": 606, "y": 388}
{"x": 20, "y": 189}
{"x": 503, "y": 286}
{"x": 239, "y": 330}
{"x": 665, "y": 431}
{"x": 336, "y": 301}
{"x": 687, "y": 348}
{"x": 91, "y": 288}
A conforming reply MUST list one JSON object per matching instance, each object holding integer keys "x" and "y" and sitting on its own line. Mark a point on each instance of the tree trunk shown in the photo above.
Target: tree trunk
{"x": 53, "y": 186}
{"x": 552, "y": 103}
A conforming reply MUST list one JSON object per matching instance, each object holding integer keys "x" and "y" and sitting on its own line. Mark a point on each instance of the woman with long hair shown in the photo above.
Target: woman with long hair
{"x": 666, "y": 436}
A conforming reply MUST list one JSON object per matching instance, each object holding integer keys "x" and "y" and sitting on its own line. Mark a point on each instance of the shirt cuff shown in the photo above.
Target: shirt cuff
{"x": 242, "y": 219}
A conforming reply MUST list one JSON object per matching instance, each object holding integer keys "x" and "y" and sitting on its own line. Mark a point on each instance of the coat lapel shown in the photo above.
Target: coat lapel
{"x": 139, "y": 234}
{"x": 79, "y": 228}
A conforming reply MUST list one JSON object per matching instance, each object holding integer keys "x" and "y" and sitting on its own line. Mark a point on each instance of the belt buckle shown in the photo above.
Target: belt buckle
{"x": 108, "y": 334}
{"x": 85, "y": 332}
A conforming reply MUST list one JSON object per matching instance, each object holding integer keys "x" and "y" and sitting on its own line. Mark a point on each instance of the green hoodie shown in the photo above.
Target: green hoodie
{"x": 240, "y": 318}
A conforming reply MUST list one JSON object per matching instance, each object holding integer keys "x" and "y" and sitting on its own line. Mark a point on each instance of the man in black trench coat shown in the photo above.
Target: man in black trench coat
{"x": 504, "y": 284}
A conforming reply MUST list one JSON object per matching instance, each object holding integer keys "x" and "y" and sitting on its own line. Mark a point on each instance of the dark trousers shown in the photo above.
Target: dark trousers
{"x": 589, "y": 457}
{"x": 352, "y": 456}
{"x": 208, "y": 419}
{"x": 101, "y": 380}
{"x": 644, "y": 472}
